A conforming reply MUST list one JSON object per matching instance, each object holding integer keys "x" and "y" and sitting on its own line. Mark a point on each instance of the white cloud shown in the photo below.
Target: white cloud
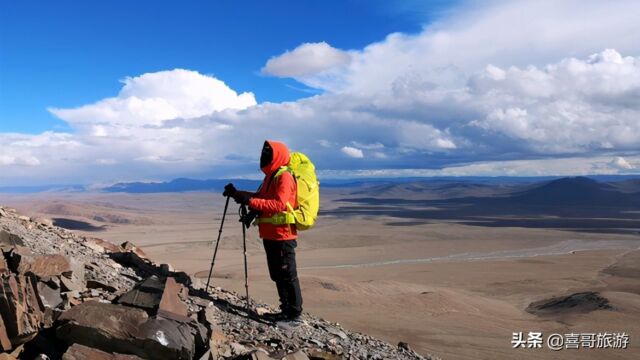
{"x": 372, "y": 146}
{"x": 574, "y": 166}
{"x": 324, "y": 143}
{"x": 153, "y": 97}
{"x": 25, "y": 160}
{"x": 572, "y": 105}
{"x": 424, "y": 136}
{"x": 475, "y": 34}
{"x": 621, "y": 163}
{"x": 352, "y": 152}
{"x": 306, "y": 60}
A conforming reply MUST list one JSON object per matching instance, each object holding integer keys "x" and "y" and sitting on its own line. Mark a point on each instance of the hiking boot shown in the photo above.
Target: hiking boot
{"x": 290, "y": 322}
{"x": 281, "y": 316}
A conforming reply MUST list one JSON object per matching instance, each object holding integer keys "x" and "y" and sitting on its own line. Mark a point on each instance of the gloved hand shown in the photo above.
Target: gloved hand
{"x": 250, "y": 217}
{"x": 229, "y": 190}
{"x": 241, "y": 197}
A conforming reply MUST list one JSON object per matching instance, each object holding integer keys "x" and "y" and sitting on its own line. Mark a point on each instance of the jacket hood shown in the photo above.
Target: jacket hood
{"x": 280, "y": 157}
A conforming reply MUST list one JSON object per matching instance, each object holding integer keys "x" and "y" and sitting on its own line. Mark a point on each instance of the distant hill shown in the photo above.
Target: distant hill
{"x": 181, "y": 185}
{"x": 576, "y": 191}
{"x": 437, "y": 189}
{"x": 627, "y": 186}
{"x": 576, "y": 204}
{"x": 41, "y": 188}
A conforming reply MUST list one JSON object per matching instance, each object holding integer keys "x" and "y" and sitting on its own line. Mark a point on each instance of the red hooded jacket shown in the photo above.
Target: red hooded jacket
{"x": 274, "y": 193}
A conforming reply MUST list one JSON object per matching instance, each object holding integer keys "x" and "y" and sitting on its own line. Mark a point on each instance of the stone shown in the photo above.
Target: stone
{"x": 100, "y": 245}
{"x": 117, "y": 328}
{"x": 238, "y": 348}
{"x": 78, "y": 273}
{"x": 141, "y": 299}
{"x": 130, "y": 247}
{"x": 94, "y": 284}
{"x": 81, "y": 352}
{"x": 4, "y": 268}
{"x": 19, "y": 307}
{"x": 318, "y": 342}
{"x": 262, "y": 310}
{"x": 208, "y": 317}
{"x": 298, "y": 355}
{"x": 49, "y": 316}
{"x": 5, "y": 343}
{"x": 171, "y": 305}
{"x": 24, "y": 218}
{"x": 146, "y": 295}
{"x": 23, "y": 261}
{"x": 70, "y": 285}
{"x": 107, "y": 321}
{"x": 9, "y": 240}
{"x": 337, "y": 332}
{"x": 44, "y": 221}
{"x": 166, "y": 269}
{"x": 49, "y": 296}
{"x": 317, "y": 354}
{"x": 16, "y": 255}
{"x": 203, "y": 303}
{"x": 182, "y": 278}
{"x": 53, "y": 281}
{"x": 260, "y": 355}
{"x": 17, "y": 351}
{"x": 95, "y": 247}
{"x": 153, "y": 284}
{"x": 168, "y": 339}
{"x": 133, "y": 260}
{"x": 208, "y": 355}
{"x": 103, "y": 326}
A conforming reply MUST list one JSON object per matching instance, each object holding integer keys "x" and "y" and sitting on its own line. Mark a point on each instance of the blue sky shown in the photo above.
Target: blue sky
{"x": 107, "y": 91}
{"x": 68, "y": 53}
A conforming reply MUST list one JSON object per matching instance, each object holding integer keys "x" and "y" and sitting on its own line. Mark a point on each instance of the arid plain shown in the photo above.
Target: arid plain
{"x": 453, "y": 288}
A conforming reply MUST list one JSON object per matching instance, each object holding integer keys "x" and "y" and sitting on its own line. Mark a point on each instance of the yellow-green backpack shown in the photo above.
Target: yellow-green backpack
{"x": 308, "y": 194}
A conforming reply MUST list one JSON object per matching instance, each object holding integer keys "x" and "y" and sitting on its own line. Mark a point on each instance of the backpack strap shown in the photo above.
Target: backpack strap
{"x": 286, "y": 217}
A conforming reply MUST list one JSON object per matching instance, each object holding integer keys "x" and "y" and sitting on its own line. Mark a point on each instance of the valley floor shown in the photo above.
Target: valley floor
{"x": 452, "y": 290}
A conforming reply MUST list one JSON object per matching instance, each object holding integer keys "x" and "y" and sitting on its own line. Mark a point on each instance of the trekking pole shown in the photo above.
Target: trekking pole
{"x": 243, "y": 215}
{"x": 215, "y": 252}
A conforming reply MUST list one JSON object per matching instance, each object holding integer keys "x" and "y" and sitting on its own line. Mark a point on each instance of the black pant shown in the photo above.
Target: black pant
{"x": 281, "y": 258}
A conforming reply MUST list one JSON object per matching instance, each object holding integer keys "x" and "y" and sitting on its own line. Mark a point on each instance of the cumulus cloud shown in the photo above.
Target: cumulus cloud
{"x": 153, "y": 97}
{"x": 621, "y": 163}
{"x": 306, "y": 60}
{"x": 503, "y": 33}
{"x": 352, "y": 152}
{"x": 572, "y": 105}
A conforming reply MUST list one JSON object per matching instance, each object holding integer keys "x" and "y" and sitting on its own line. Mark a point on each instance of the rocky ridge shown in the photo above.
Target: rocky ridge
{"x": 65, "y": 296}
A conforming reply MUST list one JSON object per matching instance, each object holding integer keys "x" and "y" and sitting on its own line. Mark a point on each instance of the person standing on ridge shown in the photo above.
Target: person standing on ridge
{"x": 275, "y": 195}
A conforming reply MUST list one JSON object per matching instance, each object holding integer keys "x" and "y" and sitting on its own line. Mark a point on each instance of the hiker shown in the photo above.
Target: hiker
{"x": 276, "y": 195}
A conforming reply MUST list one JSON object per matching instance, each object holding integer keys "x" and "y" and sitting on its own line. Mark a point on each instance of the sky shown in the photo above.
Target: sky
{"x": 97, "y": 92}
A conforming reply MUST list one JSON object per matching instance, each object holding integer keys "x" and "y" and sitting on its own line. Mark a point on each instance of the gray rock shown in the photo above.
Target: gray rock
{"x": 123, "y": 329}
{"x": 20, "y": 308}
{"x": 81, "y": 352}
{"x": 49, "y": 296}
{"x": 9, "y": 240}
